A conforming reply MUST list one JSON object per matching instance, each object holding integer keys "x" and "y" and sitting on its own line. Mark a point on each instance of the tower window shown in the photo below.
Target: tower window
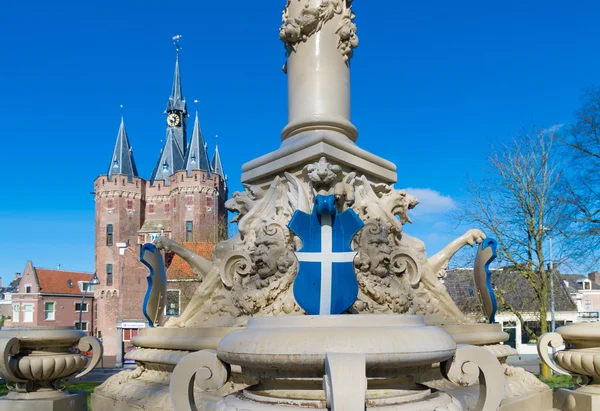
{"x": 150, "y": 208}
{"x": 116, "y": 163}
{"x": 109, "y": 274}
{"x": 209, "y": 202}
{"x": 189, "y": 200}
{"x": 165, "y": 167}
{"x": 174, "y": 203}
{"x": 130, "y": 204}
{"x": 109, "y": 203}
{"x": 193, "y": 158}
{"x": 189, "y": 231}
{"x": 167, "y": 208}
{"x": 109, "y": 234}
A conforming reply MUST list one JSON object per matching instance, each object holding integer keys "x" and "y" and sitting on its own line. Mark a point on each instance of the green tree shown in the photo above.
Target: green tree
{"x": 517, "y": 203}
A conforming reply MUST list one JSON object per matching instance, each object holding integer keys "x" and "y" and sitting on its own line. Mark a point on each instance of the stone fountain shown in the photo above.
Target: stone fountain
{"x": 374, "y": 327}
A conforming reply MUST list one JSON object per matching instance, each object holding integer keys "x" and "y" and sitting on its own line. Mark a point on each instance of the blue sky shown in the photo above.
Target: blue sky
{"x": 433, "y": 83}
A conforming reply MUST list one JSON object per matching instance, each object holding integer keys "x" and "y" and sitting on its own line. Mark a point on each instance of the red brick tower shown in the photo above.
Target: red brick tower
{"x": 183, "y": 200}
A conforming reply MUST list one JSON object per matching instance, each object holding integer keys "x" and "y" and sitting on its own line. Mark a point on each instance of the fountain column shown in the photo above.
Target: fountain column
{"x": 320, "y": 38}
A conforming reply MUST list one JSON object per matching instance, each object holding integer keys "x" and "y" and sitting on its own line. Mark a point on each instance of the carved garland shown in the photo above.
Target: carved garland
{"x": 299, "y": 29}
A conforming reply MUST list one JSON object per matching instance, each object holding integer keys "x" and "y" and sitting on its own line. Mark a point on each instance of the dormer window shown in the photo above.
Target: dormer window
{"x": 116, "y": 163}
{"x": 165, "y": 167}
{"x": 193, "y": 158}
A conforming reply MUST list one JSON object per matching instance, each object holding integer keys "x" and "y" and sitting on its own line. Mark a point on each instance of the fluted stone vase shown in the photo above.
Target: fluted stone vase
{"x": 36, "y": 360}
{"x": 581, "y": 358}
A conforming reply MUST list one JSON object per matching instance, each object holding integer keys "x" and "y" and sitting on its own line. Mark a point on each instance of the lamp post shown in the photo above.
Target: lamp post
{"x": 93, "y": 281}
{"x": 551, "y": 270}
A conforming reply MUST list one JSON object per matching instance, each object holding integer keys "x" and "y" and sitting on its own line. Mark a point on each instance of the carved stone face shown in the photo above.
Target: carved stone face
{"x": 374, "y": 249}
{"x": 323, "y": 173}
{"x": 270, "y": 253}
{"x": 399, "y": 202}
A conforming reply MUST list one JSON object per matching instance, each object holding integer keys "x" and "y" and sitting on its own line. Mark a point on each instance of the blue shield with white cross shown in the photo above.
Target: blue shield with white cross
{"x": 325, "y": 283}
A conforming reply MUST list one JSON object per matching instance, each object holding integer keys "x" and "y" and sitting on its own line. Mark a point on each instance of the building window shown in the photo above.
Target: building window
{"x": 150, "y": 208}
{"x": 109, "y": 203}
{"x": 27, "y": 288}
{"x": 130, "y": 204}
{"x": 189, "y": 231}
{"x": 174, "y": 203}
{"x": 209, "y": 202}
{"x": 129, "y": 333}
{"x": 16, "y": 310}
{"x": 173, "y": 302}
{"x": 142, "y": 239}
{"x": 109, "y": 274}
{"x": 189, "y": 200}
{"x": 587, "y": 305}
{"x": 27, "y": 313}
{"x": 83, "y": 326}
{"x": 167, "y": 208}
{"x": 78, "y": 307}
{"x": 49, "y": 311}
{"x": 109, "y": 234}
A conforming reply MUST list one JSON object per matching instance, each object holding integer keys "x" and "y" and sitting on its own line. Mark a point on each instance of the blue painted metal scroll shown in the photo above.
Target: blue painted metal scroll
{"x": 155, "y": 300}
{"x": 483, "y": 277}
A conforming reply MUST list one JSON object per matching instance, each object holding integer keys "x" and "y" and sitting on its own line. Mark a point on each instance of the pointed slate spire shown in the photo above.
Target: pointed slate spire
{"x": 122, "y": 160}
{"x": 196, "y": 157}
{"x": 176, "y": 100}
{"x": 169, "y": 161}
{"x": 216, "y": 165}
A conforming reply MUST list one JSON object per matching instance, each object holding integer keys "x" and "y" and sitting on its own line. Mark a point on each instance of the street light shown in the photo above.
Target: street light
{"x": 93, "y": 281}
{"x": 551, "y": 269}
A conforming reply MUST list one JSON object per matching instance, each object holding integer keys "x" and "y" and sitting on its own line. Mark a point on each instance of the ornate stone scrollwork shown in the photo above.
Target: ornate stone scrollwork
{"x": 92, "y": 344}
{"x": 471, "y": 364}
{"x": 299, "y": 29}
{"x": 201, "y": 368}
{"x": 550, "y": 340}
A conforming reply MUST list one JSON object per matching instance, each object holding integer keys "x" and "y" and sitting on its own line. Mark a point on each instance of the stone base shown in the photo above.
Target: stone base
{"x": 32, "y": 402}
{"x": 576, "y": 400}
{"x": 302, "y": 149}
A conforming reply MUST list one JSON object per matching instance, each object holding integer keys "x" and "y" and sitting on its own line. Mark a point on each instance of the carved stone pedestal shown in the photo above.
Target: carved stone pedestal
{"x": 523, "y": 391}
{"x": 343, "y": 363}
{"x": 57, "y": 401}
{"x": 159, "y": 351}
{"x": 580, "y": 359}
{"x": 36, "y": 360}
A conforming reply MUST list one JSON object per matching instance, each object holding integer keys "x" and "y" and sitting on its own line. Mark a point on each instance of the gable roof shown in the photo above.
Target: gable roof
{"x": 57, "y": 281}
{"x": 180, "y": 270}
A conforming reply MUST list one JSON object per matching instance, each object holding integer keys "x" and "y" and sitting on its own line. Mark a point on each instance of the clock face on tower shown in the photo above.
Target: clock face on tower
{"x": 173, "y": 120}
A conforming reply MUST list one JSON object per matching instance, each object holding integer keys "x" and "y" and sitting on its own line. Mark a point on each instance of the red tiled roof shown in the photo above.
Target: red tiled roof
{"x": 57, "y": 281}
{"x": 180, "y": 270}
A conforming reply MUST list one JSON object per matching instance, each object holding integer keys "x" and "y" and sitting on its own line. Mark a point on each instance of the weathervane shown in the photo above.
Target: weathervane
{"x": 176, "y": 42}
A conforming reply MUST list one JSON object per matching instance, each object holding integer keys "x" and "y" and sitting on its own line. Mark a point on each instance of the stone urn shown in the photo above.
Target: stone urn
{"x": 36, "y": 360}
{"x": 342, "y": 362}
{"x": 580, "y": 358}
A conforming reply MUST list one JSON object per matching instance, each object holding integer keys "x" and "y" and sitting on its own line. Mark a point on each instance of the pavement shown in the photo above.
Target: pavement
{"x": 102, "y": 374}
{"x": 530, "y": 362}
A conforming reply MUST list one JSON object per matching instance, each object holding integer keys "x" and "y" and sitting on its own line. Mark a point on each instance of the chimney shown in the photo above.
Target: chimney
{"x": 594, "y": 277}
